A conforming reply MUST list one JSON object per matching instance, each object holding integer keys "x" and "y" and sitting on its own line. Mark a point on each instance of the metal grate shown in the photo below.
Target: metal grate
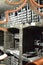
{"x": 25, "y": 15}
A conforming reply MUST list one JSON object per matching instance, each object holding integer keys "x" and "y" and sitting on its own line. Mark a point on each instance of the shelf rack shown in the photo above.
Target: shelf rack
{"x": 20, "y": 27}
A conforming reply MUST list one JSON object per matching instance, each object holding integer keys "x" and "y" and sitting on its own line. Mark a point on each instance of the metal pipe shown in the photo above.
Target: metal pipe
{"x": 35, "y": 3}
{"x": 9, "y": 11}
{"x": 20, "y": 7}
{"x": 35, "y": 9}
{"x": 4, "y": 7}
